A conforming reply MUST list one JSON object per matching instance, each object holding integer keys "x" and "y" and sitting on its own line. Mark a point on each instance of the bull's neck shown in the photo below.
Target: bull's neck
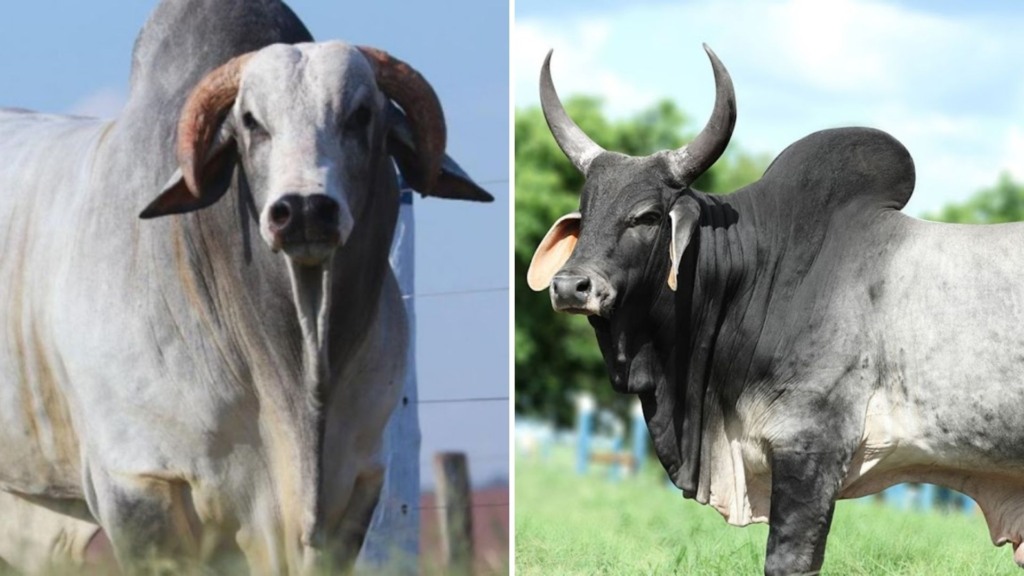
{"x": 242, "y": 294}
{"x": 723, "y": 325}
{"x": 236, "y": 298}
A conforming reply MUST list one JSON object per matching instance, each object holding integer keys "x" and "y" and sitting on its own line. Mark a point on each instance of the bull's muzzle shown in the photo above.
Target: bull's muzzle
{"x": 572, "y": 294}
{"x": 306, "y": 227}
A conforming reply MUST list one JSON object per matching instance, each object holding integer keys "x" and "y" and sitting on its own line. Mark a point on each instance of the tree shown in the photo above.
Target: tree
{"x": 557, "y": 354}
{"x": 1003, "y": 202}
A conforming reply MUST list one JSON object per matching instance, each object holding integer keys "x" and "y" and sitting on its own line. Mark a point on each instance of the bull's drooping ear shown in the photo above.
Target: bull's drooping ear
{"x": 554, "y": 251}
{"x": 453, "y": 182}
{"x": 176, "y": 197}
{"x": 206, "y": 151}
{"x": 685, "y": 215}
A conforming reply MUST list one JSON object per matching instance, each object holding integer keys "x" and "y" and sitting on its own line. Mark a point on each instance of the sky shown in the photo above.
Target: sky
{"x": 67, "y": 56}
{"x": 944, "y": 78}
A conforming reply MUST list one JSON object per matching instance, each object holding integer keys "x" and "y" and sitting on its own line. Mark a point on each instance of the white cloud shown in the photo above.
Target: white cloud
{"x": 1013, "y": 159}
{"x": 106, "y": 102}
{"x": 576, "y": 65}
{"x": 860, "y": 45}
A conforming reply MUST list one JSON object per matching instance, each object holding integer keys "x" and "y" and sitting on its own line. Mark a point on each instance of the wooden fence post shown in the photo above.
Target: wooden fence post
{"x": 454, "y": 511}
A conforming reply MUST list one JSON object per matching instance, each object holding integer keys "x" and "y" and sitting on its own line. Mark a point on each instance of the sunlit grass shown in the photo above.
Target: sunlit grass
{"x": 570, "y": 524}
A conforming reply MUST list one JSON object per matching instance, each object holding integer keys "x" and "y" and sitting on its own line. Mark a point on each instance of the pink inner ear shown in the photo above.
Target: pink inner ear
{"x": 554, "y": 250}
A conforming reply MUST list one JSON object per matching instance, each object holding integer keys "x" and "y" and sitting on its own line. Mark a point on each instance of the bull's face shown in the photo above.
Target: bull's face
{"x": 636, "y": 215}
{"x": 310, "y": 125}
{"x": 620, "y": 245}
{"x": 305, "y": 150}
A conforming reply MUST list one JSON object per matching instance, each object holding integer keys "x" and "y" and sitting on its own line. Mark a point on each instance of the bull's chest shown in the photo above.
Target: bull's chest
{"x": 736, "y": 474}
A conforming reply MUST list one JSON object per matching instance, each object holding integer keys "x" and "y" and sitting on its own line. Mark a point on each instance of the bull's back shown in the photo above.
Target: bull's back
{"x": 44, "y": 180}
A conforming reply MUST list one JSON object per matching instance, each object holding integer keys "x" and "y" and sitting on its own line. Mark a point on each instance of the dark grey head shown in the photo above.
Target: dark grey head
{"x": 636, "y": 215}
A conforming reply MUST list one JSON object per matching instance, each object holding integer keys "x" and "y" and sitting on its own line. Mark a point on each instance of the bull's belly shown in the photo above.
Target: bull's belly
{"x": 997, "y": 487}
{"x": 900, "y": 443}
{"x": 977, "y": 452}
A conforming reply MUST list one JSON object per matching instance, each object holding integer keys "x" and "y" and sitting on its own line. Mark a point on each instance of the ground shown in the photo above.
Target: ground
{"x": 571, "y": 524}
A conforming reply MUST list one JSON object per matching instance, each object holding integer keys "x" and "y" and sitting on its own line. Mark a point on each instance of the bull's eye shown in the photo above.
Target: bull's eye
{"x": 651, "y": 218}
{"x": 359, "y": 119}
{"x": 249, "y": 121}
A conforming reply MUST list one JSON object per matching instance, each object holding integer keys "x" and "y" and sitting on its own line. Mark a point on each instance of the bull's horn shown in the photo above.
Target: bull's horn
{"x": 407, "y": 87}
{"x": 576, "y": 145}
{"x": 689, "y": 162}
{"x": 202, "y": 115}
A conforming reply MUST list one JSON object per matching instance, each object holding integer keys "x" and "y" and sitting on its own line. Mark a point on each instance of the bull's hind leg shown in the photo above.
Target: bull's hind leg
{"x": 804, "y": 490}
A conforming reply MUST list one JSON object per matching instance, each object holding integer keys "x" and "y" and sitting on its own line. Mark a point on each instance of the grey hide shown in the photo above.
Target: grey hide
{"x": 802, "y": 340}
{"x": 175, "y": 380}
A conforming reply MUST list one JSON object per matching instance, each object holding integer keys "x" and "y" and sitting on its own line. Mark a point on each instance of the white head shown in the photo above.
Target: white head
{"x": 310, "y": 124}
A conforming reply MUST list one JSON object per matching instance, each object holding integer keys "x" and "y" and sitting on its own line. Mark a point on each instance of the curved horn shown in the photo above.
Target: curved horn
{"x": 576, "y": 145}
{"x": 689, "y": 162}
{"x": 410, "y": 90}
{"x": 201, "y": 116}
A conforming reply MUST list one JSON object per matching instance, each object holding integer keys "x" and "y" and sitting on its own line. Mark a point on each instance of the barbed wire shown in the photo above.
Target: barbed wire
{"x": 427, "y": 461}
{"x": 481, "y": 505}
{"x": 461, "y": 400}
{"x": 493, "y": 181}
{"x": 456, "y": 292}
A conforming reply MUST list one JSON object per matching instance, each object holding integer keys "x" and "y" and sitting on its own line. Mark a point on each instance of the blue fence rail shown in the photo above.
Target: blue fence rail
{"x": 599, "y": 438}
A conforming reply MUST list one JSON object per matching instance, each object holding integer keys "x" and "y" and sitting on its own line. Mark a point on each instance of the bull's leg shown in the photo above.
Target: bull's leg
{"x": 351, "y": 530}
{"x": 35, "y": 539}
{"x": 147, "y": 521}
{"x": 804, "y": 490}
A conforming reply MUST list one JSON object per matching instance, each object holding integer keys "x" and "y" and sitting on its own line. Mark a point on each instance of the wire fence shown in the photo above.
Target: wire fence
{"x": 481, "y": 505}
{"x": 464, "y": 400}
{"x": 456, "y": 292}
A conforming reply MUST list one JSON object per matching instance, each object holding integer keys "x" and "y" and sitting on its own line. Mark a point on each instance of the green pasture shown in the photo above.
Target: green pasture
{"x": 571, "y": 524}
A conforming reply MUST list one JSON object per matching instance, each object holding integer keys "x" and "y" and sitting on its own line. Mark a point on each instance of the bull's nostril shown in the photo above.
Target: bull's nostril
{"x": 322, "y": 210}
{"x": 280, "y": 214}
{"x": 570, "y": 292}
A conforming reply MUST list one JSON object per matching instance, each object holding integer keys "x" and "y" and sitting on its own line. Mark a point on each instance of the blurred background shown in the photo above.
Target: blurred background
{"x": 943, "y": 78}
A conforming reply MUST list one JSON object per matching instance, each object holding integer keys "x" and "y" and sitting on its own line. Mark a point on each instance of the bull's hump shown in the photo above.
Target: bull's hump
{"x": 847, "y": 165}
{"x": 184, "y": 39}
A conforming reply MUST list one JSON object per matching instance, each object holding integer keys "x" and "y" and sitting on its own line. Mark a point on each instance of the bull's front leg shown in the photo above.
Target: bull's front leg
{"x": 804, "y": 490}
{"x": 350, "y": 532}
{"x": 148, "y": 520}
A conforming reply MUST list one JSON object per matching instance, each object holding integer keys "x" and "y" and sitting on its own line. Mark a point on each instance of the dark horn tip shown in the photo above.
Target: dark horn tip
{"x": 546, "y": 67}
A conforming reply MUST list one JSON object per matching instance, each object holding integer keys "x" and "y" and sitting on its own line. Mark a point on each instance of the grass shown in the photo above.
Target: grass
{"x": 571, "y": 524}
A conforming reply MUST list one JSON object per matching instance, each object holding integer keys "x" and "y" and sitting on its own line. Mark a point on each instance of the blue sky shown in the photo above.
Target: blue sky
{"x": 71, "y": 56}
{"x": 944, "y": 78}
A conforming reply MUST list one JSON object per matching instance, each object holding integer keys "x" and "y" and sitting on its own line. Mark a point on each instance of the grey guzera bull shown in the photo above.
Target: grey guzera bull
{"x": 800, "y": 340}
{"x": 214, "y": 382}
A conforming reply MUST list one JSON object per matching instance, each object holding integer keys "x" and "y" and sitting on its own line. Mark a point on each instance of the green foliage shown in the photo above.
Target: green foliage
{"x": 568, "y": 524}
{"x": 556, "y": 354}
{"x": 1003, "y": 202}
